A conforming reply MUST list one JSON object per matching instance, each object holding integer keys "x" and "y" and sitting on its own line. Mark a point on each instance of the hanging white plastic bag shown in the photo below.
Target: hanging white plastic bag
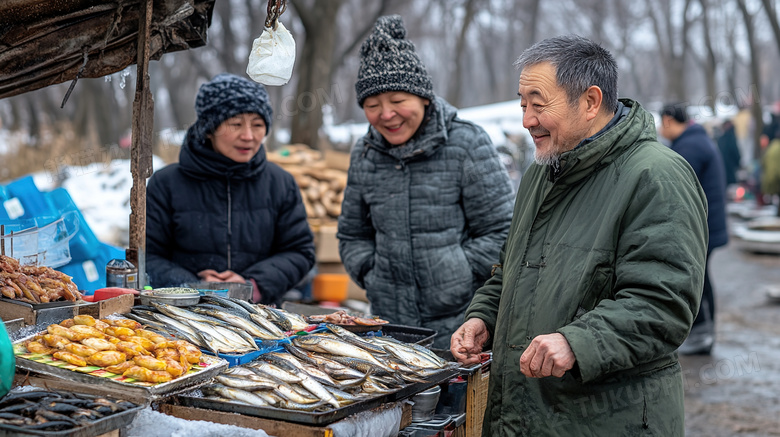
{"x": 272, "y": 57}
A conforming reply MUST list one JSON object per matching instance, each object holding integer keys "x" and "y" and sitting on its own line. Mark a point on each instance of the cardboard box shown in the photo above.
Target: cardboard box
{"x": 476, "y": 400}
{"x": 326, "y": 244}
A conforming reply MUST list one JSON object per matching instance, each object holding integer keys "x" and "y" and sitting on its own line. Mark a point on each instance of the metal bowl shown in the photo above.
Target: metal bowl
{"x": 179, "y": 300}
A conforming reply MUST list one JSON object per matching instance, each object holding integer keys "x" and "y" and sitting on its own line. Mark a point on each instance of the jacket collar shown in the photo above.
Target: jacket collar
{"x": 606, "y": 146}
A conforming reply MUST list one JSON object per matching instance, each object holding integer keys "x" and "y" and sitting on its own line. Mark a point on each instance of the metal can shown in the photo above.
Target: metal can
{"x": 121, "y": 273}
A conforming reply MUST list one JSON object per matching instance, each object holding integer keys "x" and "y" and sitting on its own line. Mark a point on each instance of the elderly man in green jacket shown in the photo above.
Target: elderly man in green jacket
{"x": 601, "y": 274}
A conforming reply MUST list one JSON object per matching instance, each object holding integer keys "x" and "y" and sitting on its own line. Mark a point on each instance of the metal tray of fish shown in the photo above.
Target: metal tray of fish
{"x": 93, "y": 428}
{"x": 113, "y": 385}
{"x": 195, "y": 399}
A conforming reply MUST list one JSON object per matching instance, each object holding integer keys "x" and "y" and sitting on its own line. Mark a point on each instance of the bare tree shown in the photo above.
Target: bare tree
{"x": 755, "y": 75}
{"x": 672, "y": 43}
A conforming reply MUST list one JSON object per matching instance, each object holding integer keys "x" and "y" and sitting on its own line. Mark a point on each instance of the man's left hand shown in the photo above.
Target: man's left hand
{"x": 547, "y": 355}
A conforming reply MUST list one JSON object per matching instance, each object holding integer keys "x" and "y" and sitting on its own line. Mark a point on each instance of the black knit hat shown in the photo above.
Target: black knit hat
{"x": 228, "y": 95}
{"x": 388, "y": 62}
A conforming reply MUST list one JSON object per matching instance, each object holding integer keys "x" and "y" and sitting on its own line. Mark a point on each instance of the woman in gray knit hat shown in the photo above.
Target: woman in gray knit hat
{"x": 223, "y": 213}
{"x": 428, "y": 203}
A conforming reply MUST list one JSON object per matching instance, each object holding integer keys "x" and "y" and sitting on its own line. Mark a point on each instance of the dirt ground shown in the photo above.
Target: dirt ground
{"x": 734, "y": 391}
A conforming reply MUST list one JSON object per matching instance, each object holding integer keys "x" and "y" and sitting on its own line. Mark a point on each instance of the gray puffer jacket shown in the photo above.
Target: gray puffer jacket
{"x": 422, "y": 224}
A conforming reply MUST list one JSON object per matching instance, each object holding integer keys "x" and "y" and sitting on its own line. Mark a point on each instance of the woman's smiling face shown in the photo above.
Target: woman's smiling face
{"x": 396, "y": 115}
{"x": 239, "y": 137}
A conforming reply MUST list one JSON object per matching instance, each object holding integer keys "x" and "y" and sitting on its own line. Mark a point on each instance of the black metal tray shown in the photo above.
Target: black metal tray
{"x": 192, "y": 399}
{"x": 91, "y": 429}
{"x": 39, "y": 306}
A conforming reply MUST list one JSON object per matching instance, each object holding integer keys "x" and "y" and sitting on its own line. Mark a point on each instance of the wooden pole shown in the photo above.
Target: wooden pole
{"x": 141, "y": 149}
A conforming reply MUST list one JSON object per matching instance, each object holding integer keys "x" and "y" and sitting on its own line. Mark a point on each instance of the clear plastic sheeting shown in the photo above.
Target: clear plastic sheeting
{"x": 380, "y": 422}
{"x": 33, "y": 243}
{"x": 150, "y": 423}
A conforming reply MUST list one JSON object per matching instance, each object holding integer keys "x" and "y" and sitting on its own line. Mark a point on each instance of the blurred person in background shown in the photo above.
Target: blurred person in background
{"x": 729, "y": 152}
{"x": 223, "y": 213}
{"x": 691, "y": 141}
{"x": 428, "y": 202}
{"x": 601, "y": 274}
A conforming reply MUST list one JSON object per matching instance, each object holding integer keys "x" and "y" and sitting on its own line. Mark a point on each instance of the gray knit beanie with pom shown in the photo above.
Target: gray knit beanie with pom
{"x": 388, "y": 62}
{"x": 228, "y": 95}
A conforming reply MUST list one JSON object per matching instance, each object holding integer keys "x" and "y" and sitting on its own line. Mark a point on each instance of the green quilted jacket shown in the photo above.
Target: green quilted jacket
{"x": 610, "y": 253}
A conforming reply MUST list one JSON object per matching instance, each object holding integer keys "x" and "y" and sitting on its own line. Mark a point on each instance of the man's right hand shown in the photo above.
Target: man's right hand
{"x": 466, "y": 343}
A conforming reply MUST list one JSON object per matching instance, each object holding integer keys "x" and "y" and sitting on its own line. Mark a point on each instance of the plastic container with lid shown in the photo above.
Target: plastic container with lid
{"x": 41, "y": 241}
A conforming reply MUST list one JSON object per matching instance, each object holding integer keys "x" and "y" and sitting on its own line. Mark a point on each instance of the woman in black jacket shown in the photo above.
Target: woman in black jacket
{"x": 224, "y": 213}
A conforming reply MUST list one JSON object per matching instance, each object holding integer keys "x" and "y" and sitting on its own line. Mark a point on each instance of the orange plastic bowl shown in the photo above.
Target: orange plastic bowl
{"x": 330, "y": 287}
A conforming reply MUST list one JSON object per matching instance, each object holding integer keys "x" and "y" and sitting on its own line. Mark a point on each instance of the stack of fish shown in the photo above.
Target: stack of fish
{"x": 49, "y": 411}
{"x": 220, "y": 325}
{"x": 327, "y": 370}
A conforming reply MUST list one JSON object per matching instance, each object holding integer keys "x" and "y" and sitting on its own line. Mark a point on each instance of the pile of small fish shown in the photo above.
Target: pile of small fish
{"x": 56, "y": 411}
{"x": 220, "y": 325}
{"x": 35, "y": 284}
{"x": 326, "y": 370}
{"x": 120, "y": 346}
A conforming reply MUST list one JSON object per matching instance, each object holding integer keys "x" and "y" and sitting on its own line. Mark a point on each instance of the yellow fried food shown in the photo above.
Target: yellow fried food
{"x": 188, "y": 351}
{"x": 146, "y": 375}
{"x": 150, "y": 362}
{"x": 101, "y": 325}
{"x": 106, "y": 358}
{"x": 67, "y": 323}
{"x": 87, "y": 331}
{"x": 36, "y": 347}
{"x": 84, "y": 319}
{"x": 123, "y": 323}
{"x": 55, "y": 341}
{"x": 143, "y": 342}
{"x": 155, "y": 337}
{"x": 80, "y": 350}
{"x": 70, "y": 358}
{"x": 131, "y": 349}
{"x": 99, "y": 344}
{"x": 120, "y": 368}
{"x": 64, "y": 332}
{"x": 166, "y": 352}
{"x": 174, "y": 367}
{"x": 118, "y": 331}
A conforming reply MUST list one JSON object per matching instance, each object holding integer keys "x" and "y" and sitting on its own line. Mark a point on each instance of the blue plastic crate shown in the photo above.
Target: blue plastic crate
{"x": 32, "y": 199}
{"x": 89, "y": 275}
{"x": 84, "y": 245}
{"x": 239, "y": 359}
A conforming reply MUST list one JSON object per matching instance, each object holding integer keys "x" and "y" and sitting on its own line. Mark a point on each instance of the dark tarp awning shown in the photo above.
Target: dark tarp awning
{"x": 46, "y": 42}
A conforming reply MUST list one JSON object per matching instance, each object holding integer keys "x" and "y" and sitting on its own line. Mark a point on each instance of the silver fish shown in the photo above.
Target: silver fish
{"x": 337, "y": 347}
{"x": 234, "y": 393}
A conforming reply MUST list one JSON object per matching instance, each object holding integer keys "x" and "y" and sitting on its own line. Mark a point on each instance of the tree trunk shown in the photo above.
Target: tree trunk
{"x": 454, "y": 93}
{"x": 710, "y": 63}
{"x": 314, "y": 71}
{"x": 771, "y": 13}
{"x": 755, "y": 74}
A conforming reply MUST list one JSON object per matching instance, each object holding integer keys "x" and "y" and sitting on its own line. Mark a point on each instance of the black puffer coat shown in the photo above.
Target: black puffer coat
{"x": 209, "y": 212}
{"x": 422, "y": 224}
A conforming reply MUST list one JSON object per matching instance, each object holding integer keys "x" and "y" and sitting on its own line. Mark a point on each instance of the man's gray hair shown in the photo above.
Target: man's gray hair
{"x": 579, "y": 63}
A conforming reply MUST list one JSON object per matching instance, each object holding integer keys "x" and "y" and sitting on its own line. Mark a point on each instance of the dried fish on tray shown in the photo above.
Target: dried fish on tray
{"x": 321, "y": 378}
{"x": 196, "y": 399}
{"x": 61, "y": 414}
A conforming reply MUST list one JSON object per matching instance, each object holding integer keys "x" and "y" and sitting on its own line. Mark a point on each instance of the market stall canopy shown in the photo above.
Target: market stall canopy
{"x": 48, "y": 42}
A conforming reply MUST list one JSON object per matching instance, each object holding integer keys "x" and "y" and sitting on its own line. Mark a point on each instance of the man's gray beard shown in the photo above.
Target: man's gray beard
{"x": 553, "y": 159}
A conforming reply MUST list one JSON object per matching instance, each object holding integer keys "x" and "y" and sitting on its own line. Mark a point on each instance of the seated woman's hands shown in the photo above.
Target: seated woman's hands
{"x": 210, "y": 275}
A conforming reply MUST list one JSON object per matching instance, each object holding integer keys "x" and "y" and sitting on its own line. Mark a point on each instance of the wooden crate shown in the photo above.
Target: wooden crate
{"x": 476, "y": 400}
{"x": 273, "y": 427}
